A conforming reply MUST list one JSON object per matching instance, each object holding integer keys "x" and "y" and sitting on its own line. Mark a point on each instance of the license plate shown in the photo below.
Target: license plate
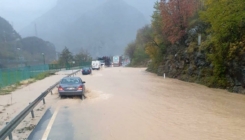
{"x": 70, "y": 88}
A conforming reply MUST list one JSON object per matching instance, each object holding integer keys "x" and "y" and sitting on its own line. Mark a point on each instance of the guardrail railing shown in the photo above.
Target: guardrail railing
{"x": 7, "y": 130}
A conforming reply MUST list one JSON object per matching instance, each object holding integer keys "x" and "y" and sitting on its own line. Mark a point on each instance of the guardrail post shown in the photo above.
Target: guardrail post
{"x": 51, "y": 92}
{"x": 43, "y": 100}
{"x": 10, "y": 135}
{"x": 32, "y": 113}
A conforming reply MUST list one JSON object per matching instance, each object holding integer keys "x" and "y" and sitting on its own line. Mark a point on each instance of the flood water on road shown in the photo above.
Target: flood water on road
{"x": 132, "y": 104}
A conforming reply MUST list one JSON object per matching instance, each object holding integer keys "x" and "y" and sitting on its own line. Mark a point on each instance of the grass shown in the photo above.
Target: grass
{"x": 43, "y": 75}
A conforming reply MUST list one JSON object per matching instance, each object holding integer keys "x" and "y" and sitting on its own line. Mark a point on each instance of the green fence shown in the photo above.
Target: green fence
{"x": 69, "y": 66}
{"x": 11, "y": 76}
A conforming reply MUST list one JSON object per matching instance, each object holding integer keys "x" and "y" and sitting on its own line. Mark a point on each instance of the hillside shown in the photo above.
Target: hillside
{"x": 198, "y": 49}
{"x": 107, "y": 30}
{"x": 89, "y": 24}
{"x": 56, "y": 21}
{"x": 7, "y": 33}
{"x": 25, "y": 51}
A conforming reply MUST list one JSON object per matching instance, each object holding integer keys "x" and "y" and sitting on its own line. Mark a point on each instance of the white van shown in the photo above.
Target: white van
{"x": 96, "y": 65}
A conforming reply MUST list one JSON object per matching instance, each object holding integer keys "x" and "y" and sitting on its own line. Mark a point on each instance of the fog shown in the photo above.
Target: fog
{"x": 102, "y": 27}
{"x": 20, "y": 13}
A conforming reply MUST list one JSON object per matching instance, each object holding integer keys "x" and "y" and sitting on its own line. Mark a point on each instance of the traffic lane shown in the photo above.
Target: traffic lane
{"x": 113, "y": 109}
{"x": 77, "y": 108}
{"x": 133, "y": 104}
{"x": 40, "y": 128}
{"x": 54, "y": 125}
{"x": 62, "y": 128}
{"x": 130, "y": 103}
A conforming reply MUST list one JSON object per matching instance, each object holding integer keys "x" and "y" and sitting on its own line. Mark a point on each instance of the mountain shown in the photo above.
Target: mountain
{"x": 15, "y": 50}
{"x": 106, "y": 30}
{"x": 95, "y": 25}
{"x": 7, "y": 33}
{"x": 56, "y": 21}
{"x": 33, "y": 48}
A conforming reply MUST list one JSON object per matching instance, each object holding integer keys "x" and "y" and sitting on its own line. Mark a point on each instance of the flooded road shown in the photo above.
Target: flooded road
{"x": 131, "y": 104}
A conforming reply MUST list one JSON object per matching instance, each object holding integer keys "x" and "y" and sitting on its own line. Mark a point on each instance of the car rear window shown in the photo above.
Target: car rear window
{"x": 70, "y": 81}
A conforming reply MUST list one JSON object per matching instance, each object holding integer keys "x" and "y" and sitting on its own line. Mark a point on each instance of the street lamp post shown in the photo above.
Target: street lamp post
{"x": 43, "y": 58}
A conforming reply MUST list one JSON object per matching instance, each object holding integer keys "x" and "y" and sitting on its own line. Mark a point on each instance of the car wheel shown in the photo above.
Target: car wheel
{"x": 82, "y": 96}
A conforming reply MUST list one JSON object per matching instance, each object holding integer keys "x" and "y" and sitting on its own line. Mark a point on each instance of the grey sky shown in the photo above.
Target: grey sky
{"x": 20, "y": 13}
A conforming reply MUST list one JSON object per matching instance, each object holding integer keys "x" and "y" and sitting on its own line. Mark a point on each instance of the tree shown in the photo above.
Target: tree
{"x": 175, "y": 16}
{"x": 136, "y": 50}
{"x": 155, "y": 47}
{"x": 130, "y": 49}
{"x": 82, "y": 56}
{"x": 227, "y": 28}
{"x": 66, "y": 57}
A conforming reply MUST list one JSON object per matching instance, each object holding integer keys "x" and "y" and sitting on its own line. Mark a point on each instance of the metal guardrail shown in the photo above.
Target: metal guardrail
{"x": 7, "y": 130}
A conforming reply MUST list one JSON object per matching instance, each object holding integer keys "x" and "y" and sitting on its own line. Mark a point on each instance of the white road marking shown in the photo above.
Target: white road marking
{"x": 50, "y": 124}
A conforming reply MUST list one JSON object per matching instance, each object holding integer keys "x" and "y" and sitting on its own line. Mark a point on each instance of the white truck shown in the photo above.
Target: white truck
{"x": 96, "y": 65}
{"x": 117, "y": 61}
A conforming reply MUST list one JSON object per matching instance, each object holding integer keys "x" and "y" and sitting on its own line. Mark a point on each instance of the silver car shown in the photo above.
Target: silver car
{"x": 71, "y": 86}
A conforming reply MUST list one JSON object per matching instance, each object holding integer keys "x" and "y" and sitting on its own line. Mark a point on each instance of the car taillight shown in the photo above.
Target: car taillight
{"x": 80, "y": 88}
{"x": 60, "y": 88}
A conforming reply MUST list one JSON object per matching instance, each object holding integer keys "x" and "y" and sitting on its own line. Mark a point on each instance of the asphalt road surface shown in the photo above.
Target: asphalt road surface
{"x": 132, "y": 104}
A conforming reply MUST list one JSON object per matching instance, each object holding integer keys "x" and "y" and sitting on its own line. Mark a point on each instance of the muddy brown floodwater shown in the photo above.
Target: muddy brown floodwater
{"x": 132, "y": 104}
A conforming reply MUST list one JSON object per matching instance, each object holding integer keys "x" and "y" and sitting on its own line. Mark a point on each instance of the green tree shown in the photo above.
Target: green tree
{"x": 130, "y": 49}
{"x": 155, "y": 47}
{"x": 66, "y": 57}
{"x": 136, "y": 50}
{"x": 82, "y": 56}
{"x": 227, "y": 29}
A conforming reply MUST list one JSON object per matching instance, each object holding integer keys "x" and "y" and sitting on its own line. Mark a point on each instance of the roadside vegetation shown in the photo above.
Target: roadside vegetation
{"x": 43, "y": 75}
{"x": 67, "y": 59}
{"x": 199, "y": 41}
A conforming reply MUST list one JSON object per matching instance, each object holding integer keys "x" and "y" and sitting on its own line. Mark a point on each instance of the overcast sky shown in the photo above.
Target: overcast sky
{"x": 20, "y": 13}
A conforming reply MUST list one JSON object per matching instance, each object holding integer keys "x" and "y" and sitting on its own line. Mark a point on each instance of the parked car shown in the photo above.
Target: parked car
{"x": 86, "y": 70}
{"x": 71, "y": 86}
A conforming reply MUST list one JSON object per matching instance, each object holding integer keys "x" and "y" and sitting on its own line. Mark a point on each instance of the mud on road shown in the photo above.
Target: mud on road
{"x": 12, "y": 104}
{"x": 130, "y": 103}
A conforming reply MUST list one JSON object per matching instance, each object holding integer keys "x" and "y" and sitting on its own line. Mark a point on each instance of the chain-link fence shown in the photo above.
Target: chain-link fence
{"x": 69, "y": 66}
{"x": 9, "y": 76}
